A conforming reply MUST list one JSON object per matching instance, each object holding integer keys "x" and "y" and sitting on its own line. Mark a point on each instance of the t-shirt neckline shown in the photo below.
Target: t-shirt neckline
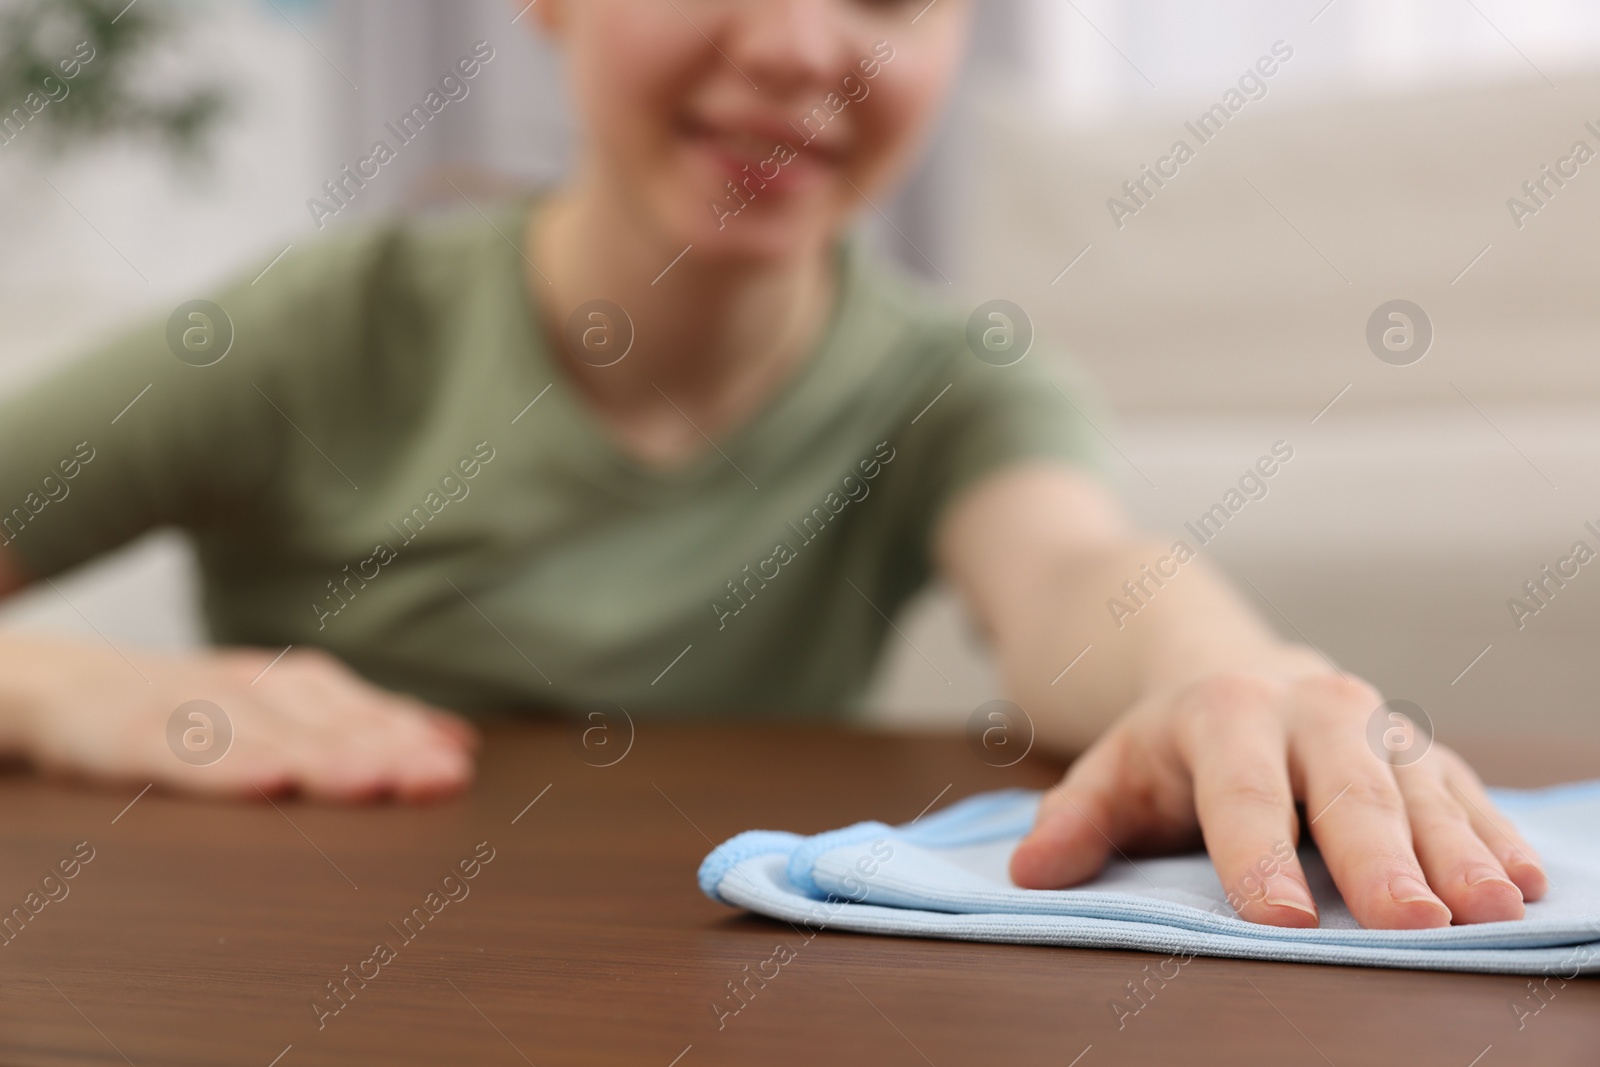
{"x": 792, "y": 396}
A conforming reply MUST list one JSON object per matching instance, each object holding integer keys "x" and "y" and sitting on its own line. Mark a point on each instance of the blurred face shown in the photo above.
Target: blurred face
{"x": 752, "y": 129}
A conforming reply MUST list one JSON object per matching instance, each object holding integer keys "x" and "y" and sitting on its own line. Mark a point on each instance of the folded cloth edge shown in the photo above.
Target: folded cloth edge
{"x": 1564, "y": 961}
{"x": 971, "y": 821}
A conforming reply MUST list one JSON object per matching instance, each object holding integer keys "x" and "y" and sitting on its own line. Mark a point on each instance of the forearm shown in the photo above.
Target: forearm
{"x": 1136, "y": 630}
{"x": 19, "y": 663}
{"x": 26, "y": 663}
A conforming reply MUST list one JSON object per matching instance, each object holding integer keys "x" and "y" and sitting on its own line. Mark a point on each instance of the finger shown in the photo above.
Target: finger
{"x": 369, "y": 755}
{"x": 1068, "y": 843}
{"x": 275, "y": 753}
{"x": 1460, "y": 867}
{"x": 458, "y": 729}
{"x": 319, "y": 687}
{"x": 1237, "y": 754}
{"x": 304, "y": 689}
{"x": 426, "y": 722}
{"x": 1517, "y": 858}
{"x": 1358, "y": 817}
{"x": 424, "y": 765}
{"x": 444, "y": 774}
{"x": 337, "y": 756}
{"x": 350, "y": 741}
{"x": 429, "y": 753}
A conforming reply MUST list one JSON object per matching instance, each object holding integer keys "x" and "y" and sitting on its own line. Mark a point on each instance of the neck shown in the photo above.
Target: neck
{"x": 706, "y": 333}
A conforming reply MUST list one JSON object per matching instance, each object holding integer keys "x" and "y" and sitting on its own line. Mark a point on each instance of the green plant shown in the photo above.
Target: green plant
{"x": 107, "y": 95}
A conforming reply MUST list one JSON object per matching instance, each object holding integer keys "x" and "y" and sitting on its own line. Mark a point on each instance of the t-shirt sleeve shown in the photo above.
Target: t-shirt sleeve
{"x": 184, "y": 420}
{"x": 969, "y": 420}
{"x": 1040, "y": 408}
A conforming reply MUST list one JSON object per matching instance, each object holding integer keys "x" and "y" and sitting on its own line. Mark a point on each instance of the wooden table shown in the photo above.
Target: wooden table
{"x": 203, "y": 933}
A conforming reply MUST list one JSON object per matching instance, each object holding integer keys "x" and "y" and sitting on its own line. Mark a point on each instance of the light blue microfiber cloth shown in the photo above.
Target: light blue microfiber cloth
{"x": 945, "y": 876}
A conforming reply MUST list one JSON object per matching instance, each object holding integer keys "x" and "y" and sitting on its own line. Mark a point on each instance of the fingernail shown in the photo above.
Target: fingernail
{"x": 1533, "y": 874}
{"x": 1486, "y": 875}
{"x": 1408, "y": 890}
{"x": 1284, "y": 892}
{"x": 1533, "y": 865}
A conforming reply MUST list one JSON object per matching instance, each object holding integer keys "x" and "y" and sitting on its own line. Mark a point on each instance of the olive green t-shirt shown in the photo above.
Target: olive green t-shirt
{"x": 388, "y": 463}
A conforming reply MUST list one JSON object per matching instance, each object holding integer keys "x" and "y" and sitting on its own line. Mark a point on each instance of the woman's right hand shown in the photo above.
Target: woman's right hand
{"x": 306, "y": 722}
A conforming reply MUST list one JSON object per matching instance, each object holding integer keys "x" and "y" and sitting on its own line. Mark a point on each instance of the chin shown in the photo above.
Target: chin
{"x": 765, "y": 242}
{"x": 763, "y": 234}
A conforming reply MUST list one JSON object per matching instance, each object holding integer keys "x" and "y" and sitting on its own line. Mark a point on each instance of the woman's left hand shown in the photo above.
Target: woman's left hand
{"x": 1225, "y": 759}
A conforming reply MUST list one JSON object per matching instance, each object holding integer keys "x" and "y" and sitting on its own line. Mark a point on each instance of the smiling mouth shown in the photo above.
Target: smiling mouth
{"x": 741, "y": 145}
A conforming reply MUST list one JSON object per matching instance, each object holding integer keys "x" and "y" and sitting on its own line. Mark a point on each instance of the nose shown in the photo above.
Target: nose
{"x": 786, "y": 46}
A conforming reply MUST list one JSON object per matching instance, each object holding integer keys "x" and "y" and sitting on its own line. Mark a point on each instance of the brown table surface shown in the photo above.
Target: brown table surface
{"x": 201, "y": 933}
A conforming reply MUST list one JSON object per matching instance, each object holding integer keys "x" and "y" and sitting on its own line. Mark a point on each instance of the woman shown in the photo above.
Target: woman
{"x": 662, "y": 438}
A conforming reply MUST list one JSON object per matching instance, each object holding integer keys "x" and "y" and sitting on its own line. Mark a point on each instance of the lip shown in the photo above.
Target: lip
{"x": 730, "y": 144}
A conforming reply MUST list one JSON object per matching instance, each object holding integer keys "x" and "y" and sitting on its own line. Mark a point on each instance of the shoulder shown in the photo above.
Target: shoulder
{"x": 349, "y": 305}
{"x": 920, "y": 321}
{"x": 973, "y": 386}
{"x": 987, "y": 350}
{"x": 429, "y": 257}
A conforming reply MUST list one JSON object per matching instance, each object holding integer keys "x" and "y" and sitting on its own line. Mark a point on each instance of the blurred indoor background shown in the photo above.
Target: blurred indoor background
{"x": 1227, "y": 313}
